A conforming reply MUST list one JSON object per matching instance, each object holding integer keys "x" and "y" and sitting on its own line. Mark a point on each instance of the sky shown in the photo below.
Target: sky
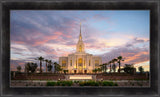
{"x": 54, "y": 33}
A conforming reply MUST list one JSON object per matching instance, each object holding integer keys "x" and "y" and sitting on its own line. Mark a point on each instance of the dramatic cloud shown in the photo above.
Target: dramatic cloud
{"x": 52, "y": 34}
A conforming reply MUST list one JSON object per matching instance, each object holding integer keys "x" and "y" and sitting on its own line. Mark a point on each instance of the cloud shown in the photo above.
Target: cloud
{"x": 26, "y": 29}
{"x": 132, "y": 55}
{"x": 137, "y": 41}
{"x": 52, "y": 34}
{"x": 15, "y": 63}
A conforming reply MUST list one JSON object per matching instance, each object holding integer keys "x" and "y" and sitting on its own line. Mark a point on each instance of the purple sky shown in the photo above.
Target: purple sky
{"x": 54, "y": 33}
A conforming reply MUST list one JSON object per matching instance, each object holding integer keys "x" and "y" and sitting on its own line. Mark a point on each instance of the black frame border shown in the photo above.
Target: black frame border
{"x": 153, "y": 6}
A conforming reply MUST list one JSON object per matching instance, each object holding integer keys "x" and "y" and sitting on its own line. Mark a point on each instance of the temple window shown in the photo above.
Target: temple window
{"x": 71, "y": 62}
{"x": 63, "y": 63}
{"x": 80, "y": 62}
{"x": 89, "y": 63}
{"x": 84, "y": 64}
{"x": 96, "y": 63}
{"x": 76, "y": 63}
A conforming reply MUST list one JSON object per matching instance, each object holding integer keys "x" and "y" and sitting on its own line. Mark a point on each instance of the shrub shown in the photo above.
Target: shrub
{"x": 132, "y": 84}
{"x": 26, "y": 84}
{"x": 89, "y": 83}
{"x": 68, "y": 83}
{"x": 140, "y": 84}
{"x": 100, "y": 83}
{"x": 107, "y": 83}
{"x": 96, "y": 84}
{"x": 51, "y": 83}
{"x": 58, "y": 83}
{"x": 115, "y": 84}
{"x": 76, "y": 81}
{"x": 34, "y": 84}
{"x": 81, "y": 83}
{"x": 63, "y": 84}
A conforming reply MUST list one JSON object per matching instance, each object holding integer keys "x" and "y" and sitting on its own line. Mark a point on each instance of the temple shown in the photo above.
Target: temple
{"x": 80, "y": 61}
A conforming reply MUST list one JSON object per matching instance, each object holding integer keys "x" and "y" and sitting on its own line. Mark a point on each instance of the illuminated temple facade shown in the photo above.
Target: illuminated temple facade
{"x": 80, "y": 62}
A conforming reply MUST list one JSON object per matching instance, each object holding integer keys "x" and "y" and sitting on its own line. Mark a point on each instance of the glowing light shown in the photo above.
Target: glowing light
{"x": 80, "y": 77}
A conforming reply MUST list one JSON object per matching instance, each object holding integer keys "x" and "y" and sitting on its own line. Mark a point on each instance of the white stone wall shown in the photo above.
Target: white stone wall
{"x": 60, "y": 62}
{"x": 85, "y": 66}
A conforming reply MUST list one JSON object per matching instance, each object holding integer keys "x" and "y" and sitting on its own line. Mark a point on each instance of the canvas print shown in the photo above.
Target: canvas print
{"x": 79, "y": 48}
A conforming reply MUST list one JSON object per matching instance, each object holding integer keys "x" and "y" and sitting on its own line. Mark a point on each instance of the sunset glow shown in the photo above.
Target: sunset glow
{"x": 54, "y": 33}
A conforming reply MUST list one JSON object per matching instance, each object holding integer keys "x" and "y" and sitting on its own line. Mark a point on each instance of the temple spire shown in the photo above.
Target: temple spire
{"x": 80, "y": 44}
{"x": 80, "y": 36}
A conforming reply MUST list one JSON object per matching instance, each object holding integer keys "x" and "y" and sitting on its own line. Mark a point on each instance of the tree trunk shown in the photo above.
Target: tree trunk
{"x": 119, "y": 67}
{"x": 46, "y": 66}
{"x": 40, "y": 67}
{"x": 105, "y": 68}
{"x": 114, "y": 68}
{"x": 110, "y": 68}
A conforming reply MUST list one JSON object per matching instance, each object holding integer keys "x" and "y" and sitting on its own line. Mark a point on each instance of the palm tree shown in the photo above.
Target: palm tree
{"x": 105, "y": 67}
{"x": 49, "y": 68}
{"x": 50, "y": 64}
{"x": 110, "y": 62}
{"x": 33, "y": 67}
{"x": 99, "y": 70}
{"x": 65, "y": 71}
{"x": 114, "y": 66}
{"x": 46, "y": 60}
{"x": 102, "y": 67}
{"x": 27, "y": 67}
{"x": 40, "y": 60}
{"x": 19, "y": 68}
{"x": 55, "y": 67}
{"x": 95, "y": 70}
{"x": 141, "y": 70}
{"x": 30, "y": 66}
{"x": 119, "y": 59}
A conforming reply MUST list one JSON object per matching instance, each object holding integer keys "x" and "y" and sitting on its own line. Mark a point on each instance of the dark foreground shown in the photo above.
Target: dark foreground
{"x": 100, "y": 80}
{"x": 51, "y": 76}
{"x": 118, "y": 83}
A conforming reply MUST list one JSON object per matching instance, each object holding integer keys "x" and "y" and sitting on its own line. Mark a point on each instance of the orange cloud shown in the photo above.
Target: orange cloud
{"x": 44, "y": 40}
{"x": 136, "y": 56}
